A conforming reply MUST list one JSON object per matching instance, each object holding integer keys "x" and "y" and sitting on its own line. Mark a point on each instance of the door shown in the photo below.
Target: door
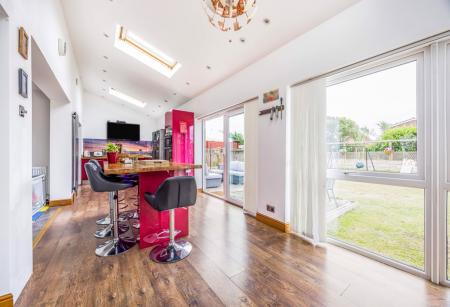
{"x": 214, "y": 156}
{"x": 224, "y": 162}
{"x": 235, "y": 157}
{"x": 378, "y": 162}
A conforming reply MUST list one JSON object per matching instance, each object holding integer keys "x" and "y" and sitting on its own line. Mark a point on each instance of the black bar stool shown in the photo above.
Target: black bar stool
{"x": 100, "y": 183}
{"x": 106, "y": 221}
{"x": 175, "y": 192}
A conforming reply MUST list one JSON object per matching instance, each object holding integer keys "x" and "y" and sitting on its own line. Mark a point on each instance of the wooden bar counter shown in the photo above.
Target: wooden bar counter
{"x": 154, "y": 225}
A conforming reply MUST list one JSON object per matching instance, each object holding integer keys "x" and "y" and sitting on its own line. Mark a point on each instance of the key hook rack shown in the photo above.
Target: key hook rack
{"x": 275, "y": 111}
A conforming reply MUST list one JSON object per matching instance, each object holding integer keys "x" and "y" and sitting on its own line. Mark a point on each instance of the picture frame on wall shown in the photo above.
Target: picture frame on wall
{"x": 271, "y": 96}
{"x": 23, "y": 83}
{"x": 23, "y": 43}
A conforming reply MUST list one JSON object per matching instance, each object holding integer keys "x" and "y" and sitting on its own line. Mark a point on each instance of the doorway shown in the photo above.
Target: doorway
{"x": 224, "y": 156}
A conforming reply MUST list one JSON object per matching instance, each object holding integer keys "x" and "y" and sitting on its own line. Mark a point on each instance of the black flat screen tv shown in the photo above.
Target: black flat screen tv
{"x": 123, "y": 131}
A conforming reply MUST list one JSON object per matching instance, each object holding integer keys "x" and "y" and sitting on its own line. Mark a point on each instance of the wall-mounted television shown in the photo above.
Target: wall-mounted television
{"x": 123, "y": 131}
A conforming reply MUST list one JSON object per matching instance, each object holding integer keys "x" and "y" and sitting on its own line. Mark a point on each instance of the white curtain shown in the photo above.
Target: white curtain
{"x": 307, "y": 161}
{"x": 251, "y": 115}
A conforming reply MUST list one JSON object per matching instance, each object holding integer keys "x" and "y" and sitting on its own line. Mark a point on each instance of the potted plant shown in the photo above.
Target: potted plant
{"x": 112, "y": 151}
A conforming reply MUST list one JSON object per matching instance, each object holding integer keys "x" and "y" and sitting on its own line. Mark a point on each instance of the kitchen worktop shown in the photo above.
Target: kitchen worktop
{"x": 146, "y": 167}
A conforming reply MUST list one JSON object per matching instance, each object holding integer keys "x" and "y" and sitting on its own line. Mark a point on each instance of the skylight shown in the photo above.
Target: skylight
{"x": 126, "y": 98}
{"x": 136, "y": 47}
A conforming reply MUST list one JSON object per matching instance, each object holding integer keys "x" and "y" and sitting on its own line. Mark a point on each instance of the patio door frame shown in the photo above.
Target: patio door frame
{"x": 236, "y": 110}
{"x": 440, "y": 52}
{"x": 420, "y": 180}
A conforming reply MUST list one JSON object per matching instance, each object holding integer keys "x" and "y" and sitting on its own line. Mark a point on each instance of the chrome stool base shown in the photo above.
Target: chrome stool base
{"x": 104, "y": 221}
{"x": 114, "y": 247}
{"x": 171, "y": 253}
{"x": 103, "y": 233}
{"x": 107, "y": 231}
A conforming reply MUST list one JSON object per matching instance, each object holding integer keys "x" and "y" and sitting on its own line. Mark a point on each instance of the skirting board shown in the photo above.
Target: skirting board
{"x": 62, "y": 202}
{"x": 6, "y": 300}
{"x": 284, "y": 227}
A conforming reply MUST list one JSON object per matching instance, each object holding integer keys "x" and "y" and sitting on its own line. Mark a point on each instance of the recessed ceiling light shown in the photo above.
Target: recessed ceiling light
{"x": 141, "y": 50}
{"x": 266, "y": 21}
{"x": 127, "y": 98}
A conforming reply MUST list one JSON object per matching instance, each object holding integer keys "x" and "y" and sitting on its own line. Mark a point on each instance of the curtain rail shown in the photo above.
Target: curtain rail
{"x": 229, "y": 108}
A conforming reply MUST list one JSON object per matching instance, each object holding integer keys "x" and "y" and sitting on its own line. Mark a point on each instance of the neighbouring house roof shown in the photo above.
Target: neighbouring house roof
{"x": 406, "y": 123}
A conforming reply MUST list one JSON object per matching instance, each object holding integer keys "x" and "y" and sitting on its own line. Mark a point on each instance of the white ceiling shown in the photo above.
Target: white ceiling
{"x": 181, "y": 29}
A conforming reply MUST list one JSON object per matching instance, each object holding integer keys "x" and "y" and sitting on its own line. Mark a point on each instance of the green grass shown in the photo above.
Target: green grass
{"x": 387, "y": 220}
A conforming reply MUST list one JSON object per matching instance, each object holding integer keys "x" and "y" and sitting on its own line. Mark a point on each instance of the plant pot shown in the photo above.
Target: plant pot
{"x": 113, "y": 157}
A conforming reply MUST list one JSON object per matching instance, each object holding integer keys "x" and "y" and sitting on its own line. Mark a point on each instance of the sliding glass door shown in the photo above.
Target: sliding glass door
{"x": 223, "y": 158}
{"x": 235, "y": 154}
{"x": 376, "y": 180}
{"x": 214, "y": 156}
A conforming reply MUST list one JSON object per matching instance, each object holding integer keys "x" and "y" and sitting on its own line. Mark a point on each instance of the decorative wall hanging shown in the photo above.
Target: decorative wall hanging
{"x": 23, "y": 83}
{"x": 229, "y": 15}
{"x": 23, "y": 43}
{"x": 271, "y": 96}
{"x": 275, "y": 112}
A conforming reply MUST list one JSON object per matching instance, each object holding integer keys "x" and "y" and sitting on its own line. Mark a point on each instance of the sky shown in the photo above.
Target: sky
{"x": 214, "y": 127}
{"x": 388, "y": 95}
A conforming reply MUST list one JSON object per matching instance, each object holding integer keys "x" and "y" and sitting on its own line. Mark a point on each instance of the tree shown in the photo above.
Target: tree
{"x": 398, "y": 138}
{"x": 237, "y": 137}
{"x": 383, "y": 126}
{"x": 349, "y": 130}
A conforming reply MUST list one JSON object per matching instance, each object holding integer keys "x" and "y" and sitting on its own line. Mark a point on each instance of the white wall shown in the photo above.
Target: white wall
{"x": 97, "y": 111}
{"x": 366, "y": 29}
{"x": 44, "y": 22}
{"x": 4, "y": 153}
{"x": 41, "y": 128}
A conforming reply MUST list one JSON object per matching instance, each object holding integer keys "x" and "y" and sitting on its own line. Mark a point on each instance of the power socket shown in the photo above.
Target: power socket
{"x": 270, "y": 208}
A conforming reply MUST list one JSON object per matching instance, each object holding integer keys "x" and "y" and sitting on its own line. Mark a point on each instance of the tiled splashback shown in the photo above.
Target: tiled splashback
{"x": 98, "y": 145}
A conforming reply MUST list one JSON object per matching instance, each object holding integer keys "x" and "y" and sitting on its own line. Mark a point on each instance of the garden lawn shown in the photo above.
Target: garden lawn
{"x": 387, "y": 220}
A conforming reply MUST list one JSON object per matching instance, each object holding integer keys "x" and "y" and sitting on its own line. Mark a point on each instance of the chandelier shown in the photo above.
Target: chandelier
{"x": 229, "y": 15}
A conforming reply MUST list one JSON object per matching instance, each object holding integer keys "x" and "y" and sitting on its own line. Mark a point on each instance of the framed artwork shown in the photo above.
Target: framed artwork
{"x": 23, "y": 43}
{"x": 271, "y": 96}
{"x": 23, "y": 83}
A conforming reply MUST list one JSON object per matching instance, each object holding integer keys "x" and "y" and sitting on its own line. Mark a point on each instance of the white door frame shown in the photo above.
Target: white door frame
{"x": 226, "y": 114}
{"x": 420, "y": 180}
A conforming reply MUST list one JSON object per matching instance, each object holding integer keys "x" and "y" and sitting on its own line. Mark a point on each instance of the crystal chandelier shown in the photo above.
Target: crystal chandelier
{"x": 228, "y": 15}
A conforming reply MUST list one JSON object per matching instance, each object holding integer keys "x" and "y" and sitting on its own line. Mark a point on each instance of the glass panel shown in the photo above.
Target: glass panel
{"x": 236, "y": 165}
{"x": 214, "y": 156}
{"x": 371, "y": 122}
{"x": 387, "y": 220}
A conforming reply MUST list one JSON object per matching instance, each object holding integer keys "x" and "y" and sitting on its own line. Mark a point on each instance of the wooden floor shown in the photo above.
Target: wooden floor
{"x": 236, "y": 261}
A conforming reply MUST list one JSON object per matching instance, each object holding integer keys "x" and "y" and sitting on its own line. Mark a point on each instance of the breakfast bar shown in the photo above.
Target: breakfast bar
{"x": 154, "y": 224}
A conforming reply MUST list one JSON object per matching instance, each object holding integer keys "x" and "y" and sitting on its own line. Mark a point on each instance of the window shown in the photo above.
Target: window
{"x": 141, "y": 50}
{"x": 384, "y": 219}
{"x": 376, "y": 184}
{"x": 372, "y": 122}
